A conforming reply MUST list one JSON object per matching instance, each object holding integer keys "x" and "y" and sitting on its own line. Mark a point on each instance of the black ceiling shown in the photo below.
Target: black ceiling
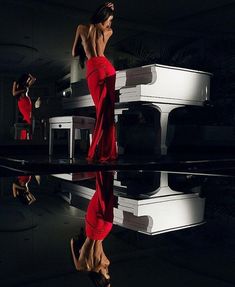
{"x": 38, "y": 35}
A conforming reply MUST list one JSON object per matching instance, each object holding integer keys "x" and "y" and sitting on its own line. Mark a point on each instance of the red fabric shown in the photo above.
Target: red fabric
{"x": 23, "y": 179}
{"x": 101, "y": 77}
{"x": 99, "y": 217}
{"x": 23, "y": 135}
{"x": 25, "y": 108}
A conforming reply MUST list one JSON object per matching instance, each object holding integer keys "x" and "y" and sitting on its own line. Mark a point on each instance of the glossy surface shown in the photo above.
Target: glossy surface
{"x": 35, "y": 248}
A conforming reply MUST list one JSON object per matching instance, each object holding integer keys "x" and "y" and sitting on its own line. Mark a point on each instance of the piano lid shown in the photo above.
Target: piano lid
{"x": 171, "y": 85}
{"x": 146, "y": 74}
{"x": 153, "y": 84}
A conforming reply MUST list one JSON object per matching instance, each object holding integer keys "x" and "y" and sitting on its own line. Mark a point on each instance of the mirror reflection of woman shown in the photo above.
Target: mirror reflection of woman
{"x": 87, "y": 250}
{"x": 20, "y": 189}
{"x": 89, "y": 44}
{"x": 20, "y": 90}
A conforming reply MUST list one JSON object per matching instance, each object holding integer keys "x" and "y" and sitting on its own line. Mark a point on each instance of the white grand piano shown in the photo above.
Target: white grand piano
{"x": 162, "y": 210}
{"x": 164, "y": 88}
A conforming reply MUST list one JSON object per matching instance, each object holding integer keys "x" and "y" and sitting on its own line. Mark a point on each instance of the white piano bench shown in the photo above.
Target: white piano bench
{"x": 70, "y": 123}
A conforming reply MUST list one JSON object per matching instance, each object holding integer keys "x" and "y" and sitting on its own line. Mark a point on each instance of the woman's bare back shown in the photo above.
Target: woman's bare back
{"x": 93, "y": 39}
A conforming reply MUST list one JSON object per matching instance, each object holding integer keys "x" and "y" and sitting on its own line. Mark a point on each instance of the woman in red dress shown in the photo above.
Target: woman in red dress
{"x": 87, "y": 251}
{"x": 20, "y": 91}
{"x": 90, "y": 42}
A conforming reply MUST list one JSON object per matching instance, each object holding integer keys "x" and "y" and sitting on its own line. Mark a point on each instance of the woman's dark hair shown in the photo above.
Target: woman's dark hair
{"x": 98, "y": 279}
{"x": 22, "y": 81}
{"x": 101, "y": 14}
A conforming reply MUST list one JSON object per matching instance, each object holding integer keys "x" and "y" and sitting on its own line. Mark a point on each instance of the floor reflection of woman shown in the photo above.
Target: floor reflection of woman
{"x": 90, "y": 42}
{"x": 20, "y": 91}
{"x": 87, "y": 251}
{"x": 21, "y": 191}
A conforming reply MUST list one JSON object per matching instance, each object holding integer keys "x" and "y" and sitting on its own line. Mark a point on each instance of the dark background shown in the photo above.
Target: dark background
{"x": 37, "y": 36}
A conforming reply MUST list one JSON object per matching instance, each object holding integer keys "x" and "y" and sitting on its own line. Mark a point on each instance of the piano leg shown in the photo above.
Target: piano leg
{"x": 164, "y": 110}
{"x": 51, "y": 140}
{"x": 164, "y": 189}
{"x": 71, "y": 142}
{"x": 118, "y": 112}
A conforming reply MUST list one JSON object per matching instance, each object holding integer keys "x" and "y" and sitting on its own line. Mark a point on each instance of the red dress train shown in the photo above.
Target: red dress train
{"x": 101, "y": 77}
{"x": 99, "y": 217}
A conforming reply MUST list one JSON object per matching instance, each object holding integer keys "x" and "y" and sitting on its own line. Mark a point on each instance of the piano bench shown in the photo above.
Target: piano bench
{"x": 70, "y": 123}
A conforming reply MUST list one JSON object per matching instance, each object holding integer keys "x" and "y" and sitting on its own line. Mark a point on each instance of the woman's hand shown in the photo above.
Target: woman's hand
{"x": 109, "y": 5}
{"x": 30, "y": 81}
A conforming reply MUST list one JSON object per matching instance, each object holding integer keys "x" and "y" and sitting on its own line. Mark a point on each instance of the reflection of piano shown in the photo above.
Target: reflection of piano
{"x": 161, "y": 87}
{"x": 163, "y": 210}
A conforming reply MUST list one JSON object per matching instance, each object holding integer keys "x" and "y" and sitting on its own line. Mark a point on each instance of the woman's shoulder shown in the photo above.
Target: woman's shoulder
{"x": 83, "y": 27}
{"x": 84, "y": 30}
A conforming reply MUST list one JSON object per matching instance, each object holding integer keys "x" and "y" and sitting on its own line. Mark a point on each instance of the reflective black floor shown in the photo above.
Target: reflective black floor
{"x": 169, "y": 228}
{"x": 186, "y": 163}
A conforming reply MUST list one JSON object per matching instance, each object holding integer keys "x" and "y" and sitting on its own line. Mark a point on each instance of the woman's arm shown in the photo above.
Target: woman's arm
{"x": 31, "y": 80}
{"x": 108, "y": 31}
{"x": 15, "y": 188}
{"x": 30, "y": 197}
{"x": 15, "y": 91}
{"x": 74, "y": 49}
